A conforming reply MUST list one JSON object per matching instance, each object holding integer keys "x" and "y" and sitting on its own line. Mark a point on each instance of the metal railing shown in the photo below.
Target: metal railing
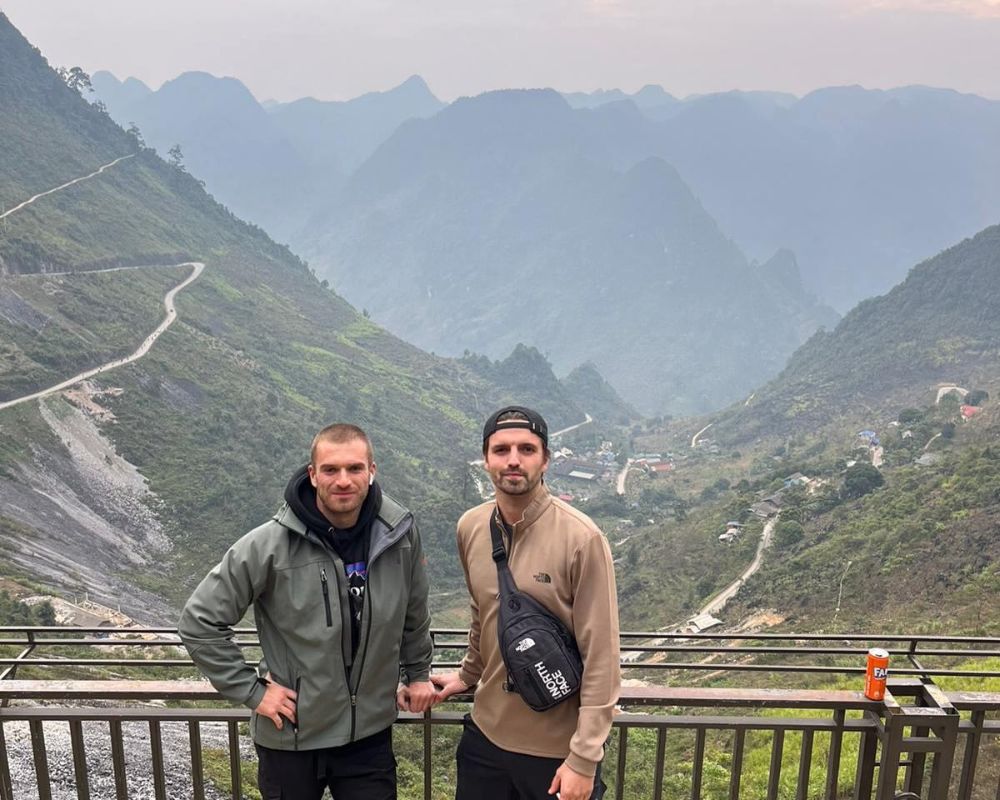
{"x": 697, "y": 741}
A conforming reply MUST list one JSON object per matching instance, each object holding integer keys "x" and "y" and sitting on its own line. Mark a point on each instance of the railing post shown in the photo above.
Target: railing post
{"x": 736, "y": 770}
{"x": 428, "y": 743}
{"x": 41, "y": 760}
{"x": 620, "y": 768}
{"x": 79, "y": 760}
{"x": 971, "y": 758}
{"x": 865, "y": 777}
{"x": 11, "y": 671}
{"x": 235, "y": 768}
{"x": 6, "y": 792}
{"x": 935, "y": 726}
{"x": 774, "y": 774}
{"x": 833, "y": 757}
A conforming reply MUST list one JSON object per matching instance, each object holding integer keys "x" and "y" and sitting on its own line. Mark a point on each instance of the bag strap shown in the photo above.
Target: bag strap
{"x": 504, "y": 577}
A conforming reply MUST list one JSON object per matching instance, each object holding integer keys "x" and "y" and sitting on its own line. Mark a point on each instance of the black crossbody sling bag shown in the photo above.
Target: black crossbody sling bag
{"x": 542, "y": 659}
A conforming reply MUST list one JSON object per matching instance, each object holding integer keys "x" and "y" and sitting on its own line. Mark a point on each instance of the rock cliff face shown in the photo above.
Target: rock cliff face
{"x": 91, "y": 517}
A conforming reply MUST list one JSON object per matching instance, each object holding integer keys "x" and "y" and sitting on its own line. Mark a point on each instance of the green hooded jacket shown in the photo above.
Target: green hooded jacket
{"x": 298, "y": 589}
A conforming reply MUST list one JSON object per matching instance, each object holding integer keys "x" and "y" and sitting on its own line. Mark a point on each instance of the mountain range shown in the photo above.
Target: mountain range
{"x": 504, "y": 218}
{"x": 268, "y": 165}
{"x": 858, "y": 183}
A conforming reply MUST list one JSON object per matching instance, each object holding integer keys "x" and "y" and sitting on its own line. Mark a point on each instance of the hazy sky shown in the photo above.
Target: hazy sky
{"x": 336, "y": 49}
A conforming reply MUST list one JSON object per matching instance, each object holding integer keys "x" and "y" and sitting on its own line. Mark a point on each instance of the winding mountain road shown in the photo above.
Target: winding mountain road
{"x": 718, "y": 602}
{"x": 168, "y": 303}
{"x": 620, "y": 482}
{"x": 93, "y": 174}
{"x": 587, "y": 421}
{"x": 694, "y": 439}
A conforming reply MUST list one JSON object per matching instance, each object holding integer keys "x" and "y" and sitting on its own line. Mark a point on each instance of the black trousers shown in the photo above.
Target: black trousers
{"x": 488, "y": 772}
{"x": 362, "y": 770}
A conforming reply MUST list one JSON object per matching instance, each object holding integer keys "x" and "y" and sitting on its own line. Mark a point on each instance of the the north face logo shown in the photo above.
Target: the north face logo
{"x": 525, "y": 644}
{"x": 543, "y": 577}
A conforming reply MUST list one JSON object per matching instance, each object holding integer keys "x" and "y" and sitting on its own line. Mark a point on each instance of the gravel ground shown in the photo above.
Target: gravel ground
{"x": 176, "y": 756}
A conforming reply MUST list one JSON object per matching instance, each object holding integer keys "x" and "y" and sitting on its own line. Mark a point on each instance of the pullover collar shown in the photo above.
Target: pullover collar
{"x": 538, "y": 505}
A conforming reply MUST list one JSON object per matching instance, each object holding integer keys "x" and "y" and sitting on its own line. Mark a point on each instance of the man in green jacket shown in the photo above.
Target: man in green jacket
{"x": 338, "y": 585}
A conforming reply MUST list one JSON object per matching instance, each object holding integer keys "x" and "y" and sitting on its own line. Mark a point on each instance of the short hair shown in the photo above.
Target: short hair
{"x": 339, "y": 433}
{"x": 517, "y": 414}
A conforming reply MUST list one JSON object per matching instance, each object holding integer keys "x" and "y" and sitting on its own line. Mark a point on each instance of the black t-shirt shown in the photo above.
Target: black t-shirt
{"x": 350, "y": 544}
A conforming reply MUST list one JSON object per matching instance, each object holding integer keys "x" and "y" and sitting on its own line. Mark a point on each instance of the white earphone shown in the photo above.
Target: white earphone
{"x": 371, "y": 479}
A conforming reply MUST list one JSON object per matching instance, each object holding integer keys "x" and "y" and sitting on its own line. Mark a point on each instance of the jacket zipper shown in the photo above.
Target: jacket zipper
{"x": 326, "y": 597}
{"x": 348, "y": 668}
{"x": 295, "y": 725}
{"x": 361, "y": 664}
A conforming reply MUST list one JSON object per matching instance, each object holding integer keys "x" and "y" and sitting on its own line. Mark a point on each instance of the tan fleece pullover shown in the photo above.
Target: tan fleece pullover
{"x": 559, "y": 557}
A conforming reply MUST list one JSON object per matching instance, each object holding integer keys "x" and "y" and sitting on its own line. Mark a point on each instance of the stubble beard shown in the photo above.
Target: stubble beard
{"x": 515, "y": 488}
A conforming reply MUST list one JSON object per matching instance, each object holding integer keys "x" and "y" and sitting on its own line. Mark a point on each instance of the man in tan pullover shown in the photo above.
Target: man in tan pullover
{"x": 558, "y": 556}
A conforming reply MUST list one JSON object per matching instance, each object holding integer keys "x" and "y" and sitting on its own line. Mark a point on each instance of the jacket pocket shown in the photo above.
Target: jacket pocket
{"x": 325, "y": 587}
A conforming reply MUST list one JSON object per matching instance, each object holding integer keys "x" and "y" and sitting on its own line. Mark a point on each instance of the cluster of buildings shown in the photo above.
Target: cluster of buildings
{"x": 771, "y": 505}
{"x": 590, "y": 467}
{"x": 654, "y": 463}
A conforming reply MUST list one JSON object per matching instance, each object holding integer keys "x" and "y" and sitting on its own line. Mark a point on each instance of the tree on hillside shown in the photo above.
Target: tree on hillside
{"x": 76, "y": 79}
{"x": 860, "y": 479}
{"x": 176, "y": 157}
{"x": 135, "y": 133}
{"x": 977, "y": 397}
{"x": 14, "y": 612}
{"x": 788, "y": 532}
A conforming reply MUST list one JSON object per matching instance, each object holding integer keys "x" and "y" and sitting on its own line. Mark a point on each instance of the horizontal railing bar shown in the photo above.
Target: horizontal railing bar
{"x": 805, "y": 637}
{"x": 102, "y": 641}
{"x": 972, "y": 701}
{"x": 633, "y": 696}
{"x": 226, "y": 715}
{"x": 701, "y": 649}
{"x": 58, "y": 661}
{"x": 107, "y": 690}
{"x": 61, "y": 661}
{"x": 807, "y": 668}
{"x": 647, "y": 695}
{"x": 826, "y": 651}
{"x": 644, "y": 695}
{"x": 746, "y": 697}
{"x": 824, "y": 724}
{"x": 720, "y": 666}
{"x": 461, "y": 632}
{"x": 104, "y": 629}
{"x": 124, "y": 713}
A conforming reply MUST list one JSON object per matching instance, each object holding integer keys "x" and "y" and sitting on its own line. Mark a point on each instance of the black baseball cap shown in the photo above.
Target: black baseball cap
{"x": 532, "y": 421}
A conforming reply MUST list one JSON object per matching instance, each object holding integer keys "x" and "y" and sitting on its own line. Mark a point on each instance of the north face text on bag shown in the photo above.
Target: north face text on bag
{"x": 554, "y": 681}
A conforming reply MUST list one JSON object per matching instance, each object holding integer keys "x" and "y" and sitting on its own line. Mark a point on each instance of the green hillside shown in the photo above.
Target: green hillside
{"x": 919, "y": 553}
{"x": 939, "y": 326}
{"x": 910, "y": 545}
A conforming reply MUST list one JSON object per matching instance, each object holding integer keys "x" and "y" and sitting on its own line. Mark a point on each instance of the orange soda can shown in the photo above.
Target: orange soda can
{"x": 876, "y": 673}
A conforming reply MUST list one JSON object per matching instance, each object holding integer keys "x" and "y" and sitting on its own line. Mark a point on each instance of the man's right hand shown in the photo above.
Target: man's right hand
{"x": 448, "y": 683}
{"x": 278, "y": 702}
